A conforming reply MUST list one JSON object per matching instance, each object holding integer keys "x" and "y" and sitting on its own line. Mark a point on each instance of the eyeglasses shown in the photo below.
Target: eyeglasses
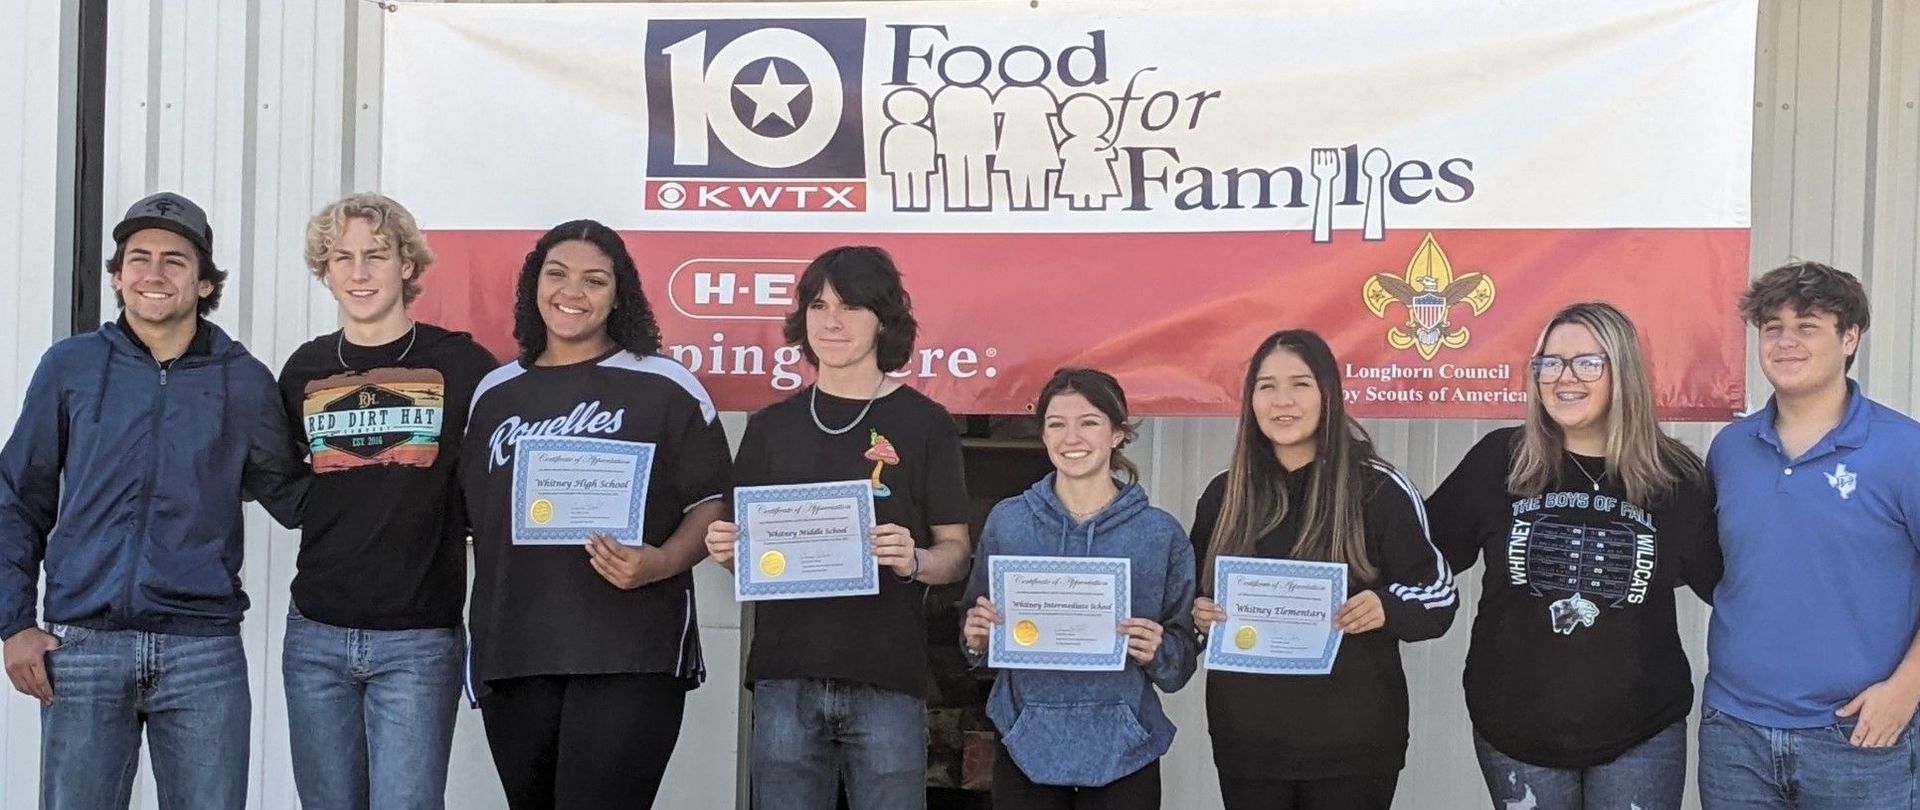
{"x": 1548, "y": 368}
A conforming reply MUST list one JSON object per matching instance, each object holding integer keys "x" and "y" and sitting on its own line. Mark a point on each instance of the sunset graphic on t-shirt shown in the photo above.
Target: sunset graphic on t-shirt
{"x": 384, "y": 416}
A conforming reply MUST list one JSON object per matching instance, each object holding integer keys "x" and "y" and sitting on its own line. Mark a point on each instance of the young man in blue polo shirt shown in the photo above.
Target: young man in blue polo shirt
{"x": 1813, "y": 665}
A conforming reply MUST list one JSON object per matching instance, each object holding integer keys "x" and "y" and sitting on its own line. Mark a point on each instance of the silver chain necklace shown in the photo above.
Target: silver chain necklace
{"x": 813, "y": 407}
{"x": 340, "y": 346}
{"x": 1583, "y": 471}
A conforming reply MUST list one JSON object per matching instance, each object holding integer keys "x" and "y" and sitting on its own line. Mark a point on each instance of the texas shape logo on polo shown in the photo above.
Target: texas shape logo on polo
{"x": 755, "y": 115}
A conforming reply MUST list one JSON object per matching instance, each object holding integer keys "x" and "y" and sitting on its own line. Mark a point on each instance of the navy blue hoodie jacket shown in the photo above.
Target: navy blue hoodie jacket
{"x": 1091, "y": 728}
{"x": 125, "y": 477}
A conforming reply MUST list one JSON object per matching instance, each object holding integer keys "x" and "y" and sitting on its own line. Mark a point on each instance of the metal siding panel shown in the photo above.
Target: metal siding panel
{"x": 30, "y": 187}
{"x": 1815, "y": 180}
{"x": 1891, "y": 372}
{"x": 1852, "y": 126}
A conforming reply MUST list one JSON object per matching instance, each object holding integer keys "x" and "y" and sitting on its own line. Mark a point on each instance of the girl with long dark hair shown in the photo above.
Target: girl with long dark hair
{"x": 1305, "y": 483}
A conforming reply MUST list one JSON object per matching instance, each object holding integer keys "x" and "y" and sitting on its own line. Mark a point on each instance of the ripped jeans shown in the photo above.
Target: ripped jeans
{"x": 1649, "y": 776}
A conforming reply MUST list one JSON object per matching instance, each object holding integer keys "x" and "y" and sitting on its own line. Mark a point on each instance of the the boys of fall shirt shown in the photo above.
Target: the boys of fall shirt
{"x": 544, "y": 610}
{"x": 1352, "y": 721}
{"x": 1576, "y": 653}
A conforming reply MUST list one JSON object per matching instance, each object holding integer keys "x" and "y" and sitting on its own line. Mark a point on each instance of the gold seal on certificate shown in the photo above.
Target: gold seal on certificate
{"x": 1246, "y": 637}
{"x": 773, "y": 563}
{"x": 1025, "y": 632}
{"x": 540, "y": 511}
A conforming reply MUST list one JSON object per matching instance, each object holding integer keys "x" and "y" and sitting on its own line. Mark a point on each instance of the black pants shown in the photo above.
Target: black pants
{"x": 582, "y": 742}
{"x": 1012, "y": 790}
{"x": 1344, "y": 793}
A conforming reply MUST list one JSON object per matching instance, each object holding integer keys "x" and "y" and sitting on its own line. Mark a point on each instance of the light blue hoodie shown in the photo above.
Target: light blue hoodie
{"x": 1091, "y": 728}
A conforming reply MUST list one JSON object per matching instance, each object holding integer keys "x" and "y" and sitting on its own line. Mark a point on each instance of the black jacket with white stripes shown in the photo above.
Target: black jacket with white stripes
{"x": 1353, "y": 721}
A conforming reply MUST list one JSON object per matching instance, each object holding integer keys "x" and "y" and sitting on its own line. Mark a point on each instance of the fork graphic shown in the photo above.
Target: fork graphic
{"x": 1325, "y": 168}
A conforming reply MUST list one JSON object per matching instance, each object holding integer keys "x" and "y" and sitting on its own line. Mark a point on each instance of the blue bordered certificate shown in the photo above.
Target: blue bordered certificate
{"x": 1059, "y": 612}
{"x": 803, "y": 541}
{"x": 565, "y": 487}
{"x": 1279, "y": 615}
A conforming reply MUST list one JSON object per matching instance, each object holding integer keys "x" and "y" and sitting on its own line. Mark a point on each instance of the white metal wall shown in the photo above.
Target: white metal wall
{"x": 264, "y": 109}
{"x": 30, "y": 189}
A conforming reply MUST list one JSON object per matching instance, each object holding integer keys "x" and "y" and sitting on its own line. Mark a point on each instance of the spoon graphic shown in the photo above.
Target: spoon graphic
{"x": 1375, "y": 166}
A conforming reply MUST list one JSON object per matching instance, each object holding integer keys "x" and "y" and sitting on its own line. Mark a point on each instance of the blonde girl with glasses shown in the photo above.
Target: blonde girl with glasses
{"x": 1589, "y": 518}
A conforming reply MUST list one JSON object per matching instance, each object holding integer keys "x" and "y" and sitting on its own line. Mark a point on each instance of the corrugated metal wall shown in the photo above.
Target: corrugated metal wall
{"x": 264, "y": 110}
{"x": 30, "y": 188}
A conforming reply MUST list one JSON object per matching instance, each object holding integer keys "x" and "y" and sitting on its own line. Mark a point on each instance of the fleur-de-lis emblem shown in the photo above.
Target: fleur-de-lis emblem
{"x": 1429, "y": 291}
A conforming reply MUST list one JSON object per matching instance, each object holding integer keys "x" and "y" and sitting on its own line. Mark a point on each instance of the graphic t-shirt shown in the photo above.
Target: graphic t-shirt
{"x": 1576, "y": 653}
{"x": 543, "y": 609}
{"x": 909, "y": 450}
{"x": 383, "y": 539}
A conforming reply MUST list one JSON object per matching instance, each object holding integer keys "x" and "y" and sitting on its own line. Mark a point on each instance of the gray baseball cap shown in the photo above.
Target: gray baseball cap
{"x": 168, "y": 211}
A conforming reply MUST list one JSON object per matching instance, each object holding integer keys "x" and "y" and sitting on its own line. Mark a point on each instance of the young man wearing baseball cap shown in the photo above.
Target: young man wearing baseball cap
{"x": 124, "y": 476}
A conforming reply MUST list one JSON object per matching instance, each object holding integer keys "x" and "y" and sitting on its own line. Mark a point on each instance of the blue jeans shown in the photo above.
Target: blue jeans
{"x": 809, "y": 733}
{"x": 370, "y": 714}
{"x": 189, "y": 692}
{"x": 1748, "y": 767}
{"x": 1648, "y": 776}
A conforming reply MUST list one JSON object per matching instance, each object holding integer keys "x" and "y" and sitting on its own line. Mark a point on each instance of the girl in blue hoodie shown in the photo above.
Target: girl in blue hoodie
{"x": 1088, "y": 739}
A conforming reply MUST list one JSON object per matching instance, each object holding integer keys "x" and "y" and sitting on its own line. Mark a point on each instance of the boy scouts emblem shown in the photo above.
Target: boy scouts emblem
{"x": 1429, "y": 291}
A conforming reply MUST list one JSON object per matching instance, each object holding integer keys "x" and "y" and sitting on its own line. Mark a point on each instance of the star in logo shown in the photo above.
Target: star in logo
{"x": 771, "y": 98}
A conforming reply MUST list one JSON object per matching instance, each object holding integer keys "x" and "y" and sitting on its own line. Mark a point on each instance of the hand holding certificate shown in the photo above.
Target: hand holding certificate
{"x": 803, "y": 541}
{"x": 1059, "y": 612}
{"x": 565, "y": 488}
{"x": 1279, "y": 616}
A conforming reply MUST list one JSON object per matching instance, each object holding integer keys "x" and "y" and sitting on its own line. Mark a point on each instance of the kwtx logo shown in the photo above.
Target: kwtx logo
{"x": 1429, "y": 291}
{"x": 755, "y": 115}
{"x": 1843, "y": 481}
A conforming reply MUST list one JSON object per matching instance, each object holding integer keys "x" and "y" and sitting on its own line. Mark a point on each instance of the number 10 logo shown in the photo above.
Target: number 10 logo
{"x": 755, "y": 98}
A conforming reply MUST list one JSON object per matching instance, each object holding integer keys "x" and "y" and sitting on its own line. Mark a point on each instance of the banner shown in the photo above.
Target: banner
{"x": 1149, "y": 188}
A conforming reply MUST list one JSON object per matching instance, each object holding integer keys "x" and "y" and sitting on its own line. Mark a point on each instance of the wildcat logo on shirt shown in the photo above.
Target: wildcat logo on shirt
{"x": 1843, "y": 481}
{"x": 387, "y": 416}
{"x": 586, "y": 417}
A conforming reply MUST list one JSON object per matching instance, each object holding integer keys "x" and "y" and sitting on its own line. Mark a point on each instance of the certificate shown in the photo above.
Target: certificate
{"x": 803, "y": 541}
{"x": 1059, "y": 612}
{"x": 565, "y": 487}
{"x": 1279, "y": 616}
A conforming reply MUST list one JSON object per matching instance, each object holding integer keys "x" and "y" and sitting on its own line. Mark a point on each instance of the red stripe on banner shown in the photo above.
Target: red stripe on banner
{"x": 1175, "y": 315}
